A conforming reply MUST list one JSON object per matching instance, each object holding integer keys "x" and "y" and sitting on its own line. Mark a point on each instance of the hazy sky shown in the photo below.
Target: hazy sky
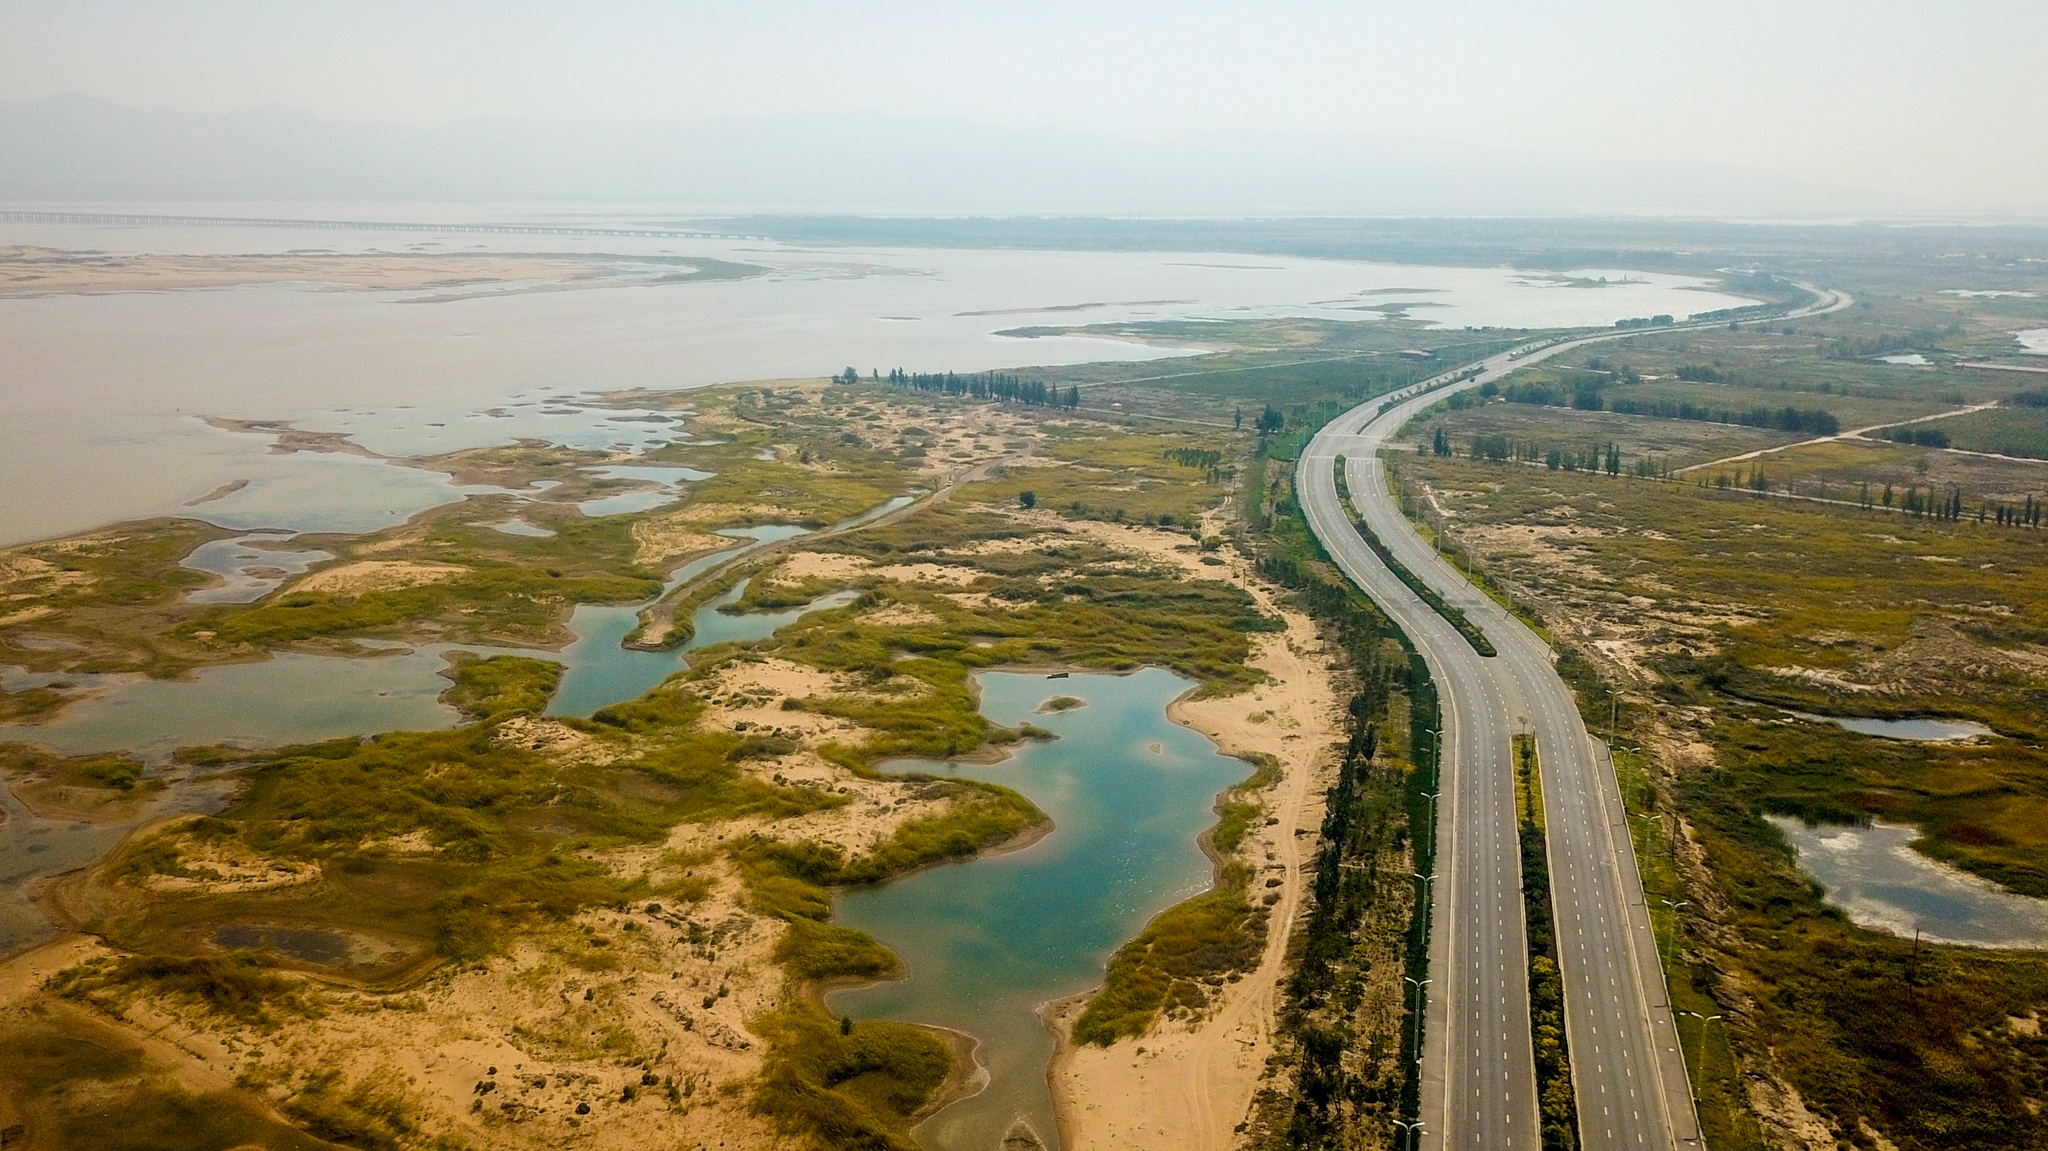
{"x": 1943, "y": 100}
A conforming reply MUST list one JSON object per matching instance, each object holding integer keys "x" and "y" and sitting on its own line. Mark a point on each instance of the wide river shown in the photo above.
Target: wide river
{"x": 100, "y": 412}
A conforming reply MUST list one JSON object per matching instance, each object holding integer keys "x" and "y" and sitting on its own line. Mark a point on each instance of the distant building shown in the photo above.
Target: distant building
{"x": 1418, "y": 353}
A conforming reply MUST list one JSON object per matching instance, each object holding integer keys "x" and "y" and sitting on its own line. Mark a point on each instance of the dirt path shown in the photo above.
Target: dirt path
{"x": 658, "y": 620}
{"x": 1851, "y": 434}
{"x": 1189, "y": 1083}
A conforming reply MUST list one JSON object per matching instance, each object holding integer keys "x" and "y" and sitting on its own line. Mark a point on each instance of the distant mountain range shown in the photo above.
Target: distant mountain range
{"x": 77, "y": 148}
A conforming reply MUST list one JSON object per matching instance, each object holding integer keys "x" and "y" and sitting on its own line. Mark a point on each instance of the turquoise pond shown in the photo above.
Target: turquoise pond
{"x": 989, "y": 941}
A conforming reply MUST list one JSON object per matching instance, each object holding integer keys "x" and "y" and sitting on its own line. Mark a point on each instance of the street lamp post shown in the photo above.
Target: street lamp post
{"x": 1418, "y": 984}
{"x": 1413, "y": 1128}
{"x": 1674, "y": 924}
{"x": 1431, "y": 797}
{"x": 1704, "y": 1020}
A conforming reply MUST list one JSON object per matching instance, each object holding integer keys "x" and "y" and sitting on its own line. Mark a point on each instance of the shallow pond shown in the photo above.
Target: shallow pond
{"x": 598, "y": 671}
{"x": 332, "y": 492}
{"x": 298, "y": 698}
{"x": 644, "y": 499}
{"x": 989, "y": 941}
{"x": 290, "y": 698}
{"x": 1874, "y": 875}
{"x": 251, "y": 570}
{"x": 1917, "y": 730}
{"x": 32, "y": 848}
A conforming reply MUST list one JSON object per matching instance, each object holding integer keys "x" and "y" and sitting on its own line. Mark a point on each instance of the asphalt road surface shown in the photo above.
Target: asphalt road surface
{"x": 1479, "y": 1081}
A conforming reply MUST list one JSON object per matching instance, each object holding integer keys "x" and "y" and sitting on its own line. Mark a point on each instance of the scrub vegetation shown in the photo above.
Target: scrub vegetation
{"x": 1163, "y": 478}
{"x": 1559, "y": 1110}
{"x": 82, "y": 1083}
{"x": 693, "y": 835}
{"x": 1725, "y": 610}
{"x": 500, "y": 686}
{"x": 1344, "y": 1071}
{"x": 100, "y": 788}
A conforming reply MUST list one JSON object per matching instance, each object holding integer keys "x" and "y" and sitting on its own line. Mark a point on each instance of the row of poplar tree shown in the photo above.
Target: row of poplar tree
{"x": 983, "y": 386}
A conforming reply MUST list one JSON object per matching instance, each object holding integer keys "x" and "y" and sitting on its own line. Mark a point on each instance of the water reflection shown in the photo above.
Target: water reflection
{"x": 1916, "y": 730}
{"x": 1874, "y": 875}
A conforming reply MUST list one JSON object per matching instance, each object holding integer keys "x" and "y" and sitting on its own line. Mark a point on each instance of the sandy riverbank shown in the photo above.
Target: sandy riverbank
{"x": 1187, "y": 1084}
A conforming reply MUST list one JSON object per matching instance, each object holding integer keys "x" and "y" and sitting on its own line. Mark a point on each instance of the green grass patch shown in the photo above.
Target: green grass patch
{"x": 1159, "y": 478}
{"x": 500, "y": 686}
{"x": 854, "y": 1088}
{"x": 1179, "y": 960}
{"x": 508, "y": 826}
{"x": 2007, "y": 431}
{"x": 499, "y": 603}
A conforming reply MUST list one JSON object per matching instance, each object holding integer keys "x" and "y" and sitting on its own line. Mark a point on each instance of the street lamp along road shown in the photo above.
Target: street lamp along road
{"x": 1419, "y": 984}
{"x": 1704, "y": 1020}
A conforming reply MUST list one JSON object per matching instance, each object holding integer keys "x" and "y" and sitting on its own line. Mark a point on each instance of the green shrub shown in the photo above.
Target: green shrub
{"x": 500, "y": 686}
{"x": 237, "y": 984}
{"x": 1200, "y": 940}
{"x": 857, "y": 1090}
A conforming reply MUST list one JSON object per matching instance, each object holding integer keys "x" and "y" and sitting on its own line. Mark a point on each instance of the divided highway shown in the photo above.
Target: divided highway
{"x": 1479, "y": 1081}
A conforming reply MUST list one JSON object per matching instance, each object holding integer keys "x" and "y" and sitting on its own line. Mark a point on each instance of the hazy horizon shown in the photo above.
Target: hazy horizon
{"x": 1734, "y": 109}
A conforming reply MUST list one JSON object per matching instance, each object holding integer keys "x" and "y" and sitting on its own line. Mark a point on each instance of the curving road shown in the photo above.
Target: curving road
{"x": 1479, "y": 1081}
